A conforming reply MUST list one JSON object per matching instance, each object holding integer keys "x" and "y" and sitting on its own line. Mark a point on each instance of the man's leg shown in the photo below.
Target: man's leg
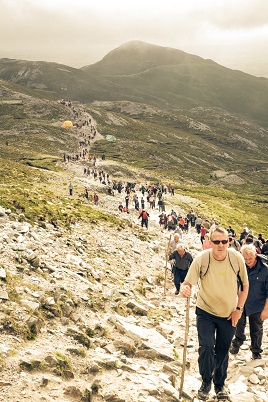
{"x": 240, "y": 336}
{"x": 256, "y": 333}
{"x": 206, "y": 338}
{"x": 224, "y": 334}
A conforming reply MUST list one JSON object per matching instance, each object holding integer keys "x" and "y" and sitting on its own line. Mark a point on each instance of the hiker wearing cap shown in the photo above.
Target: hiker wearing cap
{"x": 218, "y": 307}
{"x": 182, "y": 261}
{"x": 256, "y": 306}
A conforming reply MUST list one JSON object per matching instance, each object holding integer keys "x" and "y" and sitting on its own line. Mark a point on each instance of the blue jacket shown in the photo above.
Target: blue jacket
{"x": 258, "y": 287}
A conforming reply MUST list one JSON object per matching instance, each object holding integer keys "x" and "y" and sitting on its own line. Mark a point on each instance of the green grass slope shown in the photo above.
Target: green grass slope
{"x": 185, "y": 148}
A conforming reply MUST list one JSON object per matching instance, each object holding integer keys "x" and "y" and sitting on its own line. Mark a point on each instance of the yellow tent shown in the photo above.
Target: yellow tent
{"x": 67, "y": 124}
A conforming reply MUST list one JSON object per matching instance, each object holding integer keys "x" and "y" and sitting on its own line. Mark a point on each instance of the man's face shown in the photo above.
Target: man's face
{"x": 250, "y": 259}
{"x": 219, "y": 251}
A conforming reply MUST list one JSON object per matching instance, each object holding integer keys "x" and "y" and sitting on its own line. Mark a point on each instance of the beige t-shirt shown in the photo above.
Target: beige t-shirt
{"x": 217, "y": 293}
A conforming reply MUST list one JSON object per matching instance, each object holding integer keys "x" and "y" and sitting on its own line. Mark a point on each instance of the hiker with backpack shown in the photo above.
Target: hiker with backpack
{"x": 219, "y": 306}
{"x": 182, "y": 261}
{"x": 144, "y": 218}
{"x": 256, "y": 306}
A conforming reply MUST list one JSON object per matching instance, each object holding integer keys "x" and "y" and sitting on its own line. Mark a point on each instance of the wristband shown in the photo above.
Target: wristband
{"x": 240, "y": 309}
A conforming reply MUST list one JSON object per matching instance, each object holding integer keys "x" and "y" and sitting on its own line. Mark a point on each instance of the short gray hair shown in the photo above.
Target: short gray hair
{"x": 248, "y": 249}
{"x": 219, "y": 229}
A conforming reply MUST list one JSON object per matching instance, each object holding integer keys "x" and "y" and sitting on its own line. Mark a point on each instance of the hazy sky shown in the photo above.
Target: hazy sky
{"x": 233, "y": 33}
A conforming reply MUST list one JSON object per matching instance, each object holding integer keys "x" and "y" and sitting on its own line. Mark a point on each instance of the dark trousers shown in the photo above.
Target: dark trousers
{"x": 144, "y": 222}
{"x": 198, "y": 228}
{"x": 255, "y": 330}
{"x": 179, "y": 276}
{"x": 214, "y": 335}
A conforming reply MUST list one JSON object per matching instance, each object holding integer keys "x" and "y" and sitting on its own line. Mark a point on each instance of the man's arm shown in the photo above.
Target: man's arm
{"x": 242, "y": 297}
{"x": 264, "y": 313}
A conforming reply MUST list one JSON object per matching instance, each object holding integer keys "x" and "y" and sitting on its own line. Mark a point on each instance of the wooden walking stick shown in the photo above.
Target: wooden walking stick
{"x": 185, "y": 346}
{"x": 165, "y": 283}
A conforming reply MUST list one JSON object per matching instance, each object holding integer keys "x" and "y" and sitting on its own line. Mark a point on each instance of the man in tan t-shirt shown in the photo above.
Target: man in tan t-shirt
{"x": 218, "y": 308}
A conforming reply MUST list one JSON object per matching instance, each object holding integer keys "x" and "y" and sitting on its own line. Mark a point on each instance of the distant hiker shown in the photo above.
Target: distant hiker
{"x": 151, "y": 201}
{"x": 264, "y": 248}
{"x": 198, "y": 223}
{"x": 233, "y": 243}
{"x": 71, "y": 189}
{"x": 174, "y": 243}
{"x": 171, "y": 222}
{"x": 86, "y": 193}
{"x": 230, "y": 230}
{"x": 186, "y": 225}
{"x": 144, "y": 218}
{"x": 142, "y": 189}
{"x": 203, "y": 232}
{"x": 96, "y": 199}
{"x": 206, "y": 243}
{"x": 182, "y": 261}
{"x": 142, "y": 203}
{"x": 206, "y": 224}
{"x": 191, "y": 216}
{"x": 6, "y": 142}
{"x": 162, "y": 221}
{"x": 127, "y": 200}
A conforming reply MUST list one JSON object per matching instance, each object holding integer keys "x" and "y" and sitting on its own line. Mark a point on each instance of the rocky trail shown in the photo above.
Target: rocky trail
{"x": 84, "y": 316}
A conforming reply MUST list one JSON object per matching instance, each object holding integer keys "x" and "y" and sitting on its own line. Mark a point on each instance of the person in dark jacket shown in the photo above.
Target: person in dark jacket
{"x": 264, "y": 249}
{"x": 182, "y": 261}
{"x": 256, "y": 306}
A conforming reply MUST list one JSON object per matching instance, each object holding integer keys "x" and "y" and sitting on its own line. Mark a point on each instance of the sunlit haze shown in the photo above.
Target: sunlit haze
{"x": 81, "y": 32}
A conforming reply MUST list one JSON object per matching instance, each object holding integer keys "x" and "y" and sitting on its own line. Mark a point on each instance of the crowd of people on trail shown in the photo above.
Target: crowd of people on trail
{"x": 231, "y": 274}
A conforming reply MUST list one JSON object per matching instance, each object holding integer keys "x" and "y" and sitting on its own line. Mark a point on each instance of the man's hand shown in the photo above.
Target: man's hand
{"x": 234, "y": 317}
{"x": 264, "y": 314}
{"x": 185, "y": 290}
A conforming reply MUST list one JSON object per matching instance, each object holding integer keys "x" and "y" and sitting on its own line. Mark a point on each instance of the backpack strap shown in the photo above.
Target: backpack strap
{"x": 205, "y": 262}
{"x": 235, "y": 267}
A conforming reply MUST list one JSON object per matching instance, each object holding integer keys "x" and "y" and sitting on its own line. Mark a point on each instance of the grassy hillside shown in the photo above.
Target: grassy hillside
{"x": 186, "y": 149}
{"x": 219, "y": 163}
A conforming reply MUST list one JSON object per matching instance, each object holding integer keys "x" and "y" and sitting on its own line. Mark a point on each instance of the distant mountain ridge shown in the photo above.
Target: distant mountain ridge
{"x": 140, "y": 72}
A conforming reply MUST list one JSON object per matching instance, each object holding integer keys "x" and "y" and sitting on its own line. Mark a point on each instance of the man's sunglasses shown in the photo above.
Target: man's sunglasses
{"x": 219, "y": 241}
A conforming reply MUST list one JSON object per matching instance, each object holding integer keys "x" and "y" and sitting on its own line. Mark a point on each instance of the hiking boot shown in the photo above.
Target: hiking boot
{"x": 203, "y": 392}
{"x": 221, "y": 392}
{"x": 256, "y": 356}
{"x": 177, "y": 292}
{"x": 234, "y": 349}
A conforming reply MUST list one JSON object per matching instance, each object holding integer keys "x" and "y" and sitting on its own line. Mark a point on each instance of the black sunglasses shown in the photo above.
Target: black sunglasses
{"x": 219, "y": 241}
